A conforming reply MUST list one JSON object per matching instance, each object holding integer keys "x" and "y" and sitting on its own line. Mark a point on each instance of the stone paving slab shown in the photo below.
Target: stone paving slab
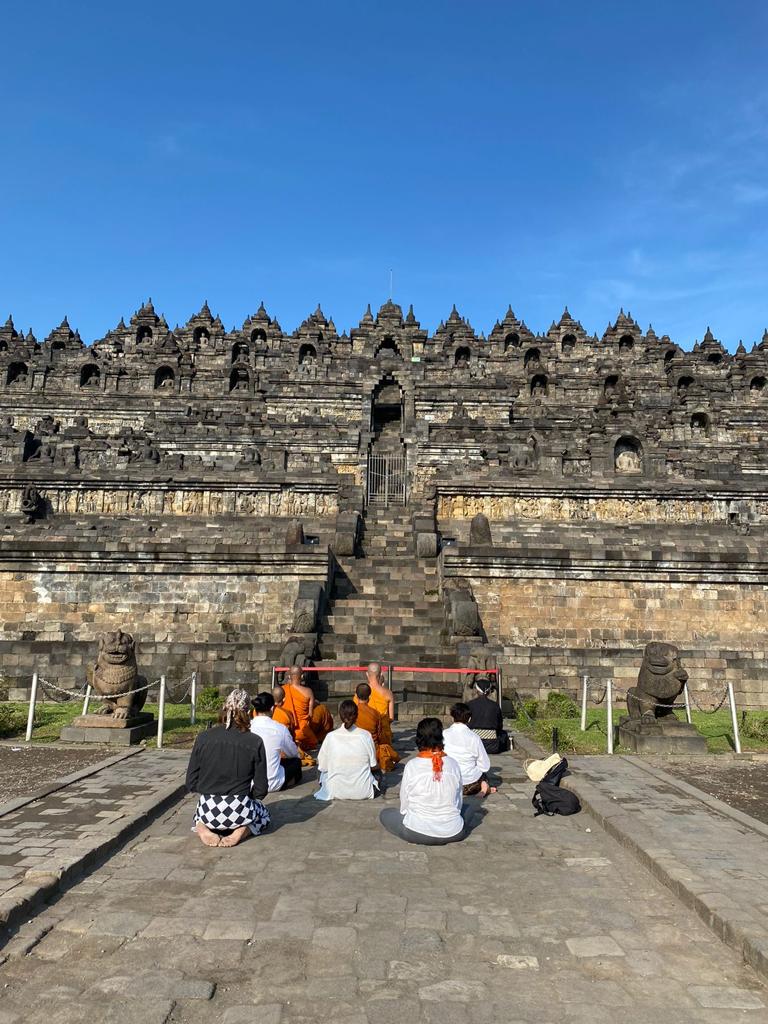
{"x": 47, "y": 842}
{"x": 327, "y": 918}
{"x": 713, "y": 857}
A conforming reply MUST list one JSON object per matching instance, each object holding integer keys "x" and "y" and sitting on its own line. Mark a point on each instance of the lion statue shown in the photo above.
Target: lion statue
{"x": 659, "y": 683}
{"x": 115, "y": 672}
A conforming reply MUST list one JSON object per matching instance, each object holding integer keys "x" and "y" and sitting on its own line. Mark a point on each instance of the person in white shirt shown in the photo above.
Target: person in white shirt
{"x": 430, "y": 793}
{"x": 283, "y": 761}
{"x": 468, "y": 751}
{"x": 346, "y": 760}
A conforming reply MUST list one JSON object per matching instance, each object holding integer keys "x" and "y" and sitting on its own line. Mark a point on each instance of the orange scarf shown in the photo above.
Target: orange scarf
{"x": 436, "y": 757}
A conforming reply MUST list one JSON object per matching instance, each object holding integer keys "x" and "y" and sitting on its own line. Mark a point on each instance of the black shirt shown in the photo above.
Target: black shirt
{"x": 227, "y": 762}
{"x": 486, "y": 714}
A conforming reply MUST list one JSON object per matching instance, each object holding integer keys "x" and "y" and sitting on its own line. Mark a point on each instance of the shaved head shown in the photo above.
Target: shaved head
{"x": 279, "y": 694}
{"x": 295, "y": 673}
{"x": 374, "y": 669}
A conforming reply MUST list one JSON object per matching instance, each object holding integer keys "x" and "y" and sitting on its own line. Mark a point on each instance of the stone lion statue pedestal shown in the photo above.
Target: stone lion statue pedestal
{"x": 119, "y": 720}
{"x": 651, "y": 726}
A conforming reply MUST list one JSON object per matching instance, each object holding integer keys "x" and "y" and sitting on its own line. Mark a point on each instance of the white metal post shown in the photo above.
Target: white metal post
{"x": 161, "y": 713}
{"x": 734, "y": 719}
{"x": 499, "y": 684}
{"x": 87, "y": 700}
{"x": 584, "y": 685}
{"x": 193, "y": 699}
{"x": 687, "y": 699}
{"x": 274, "y": 677}
{"x": 31, "y": 715}
{"x": 609, "y": 713}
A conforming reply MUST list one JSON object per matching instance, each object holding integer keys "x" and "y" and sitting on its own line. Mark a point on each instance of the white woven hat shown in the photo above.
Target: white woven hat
{"x": 536, "y": 770}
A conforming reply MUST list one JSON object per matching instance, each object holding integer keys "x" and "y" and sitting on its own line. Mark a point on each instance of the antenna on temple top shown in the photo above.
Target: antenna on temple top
{"x": 391, "y": 278}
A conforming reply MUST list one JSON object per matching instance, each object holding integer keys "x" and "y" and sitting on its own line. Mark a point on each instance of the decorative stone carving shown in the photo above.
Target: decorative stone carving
{"x": 30, "y": 502}
{"x": 461, "y": 609}
{"x": 306, "y": 607}
{"x": 294, "y": 536}
{"x": 115, "y": 673}
{"x": 480, "y": 531}
{"x": 651, "y": 725}
{"x": 299, "y": 650}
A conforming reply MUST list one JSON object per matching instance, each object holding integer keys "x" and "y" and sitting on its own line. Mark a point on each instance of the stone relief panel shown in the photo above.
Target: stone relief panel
{"x": 607, "y": 509}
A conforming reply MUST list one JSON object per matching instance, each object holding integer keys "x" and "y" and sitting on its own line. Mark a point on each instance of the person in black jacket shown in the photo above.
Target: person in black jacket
{"x": 486, "y": 718}
{"x": 228, "y": 768}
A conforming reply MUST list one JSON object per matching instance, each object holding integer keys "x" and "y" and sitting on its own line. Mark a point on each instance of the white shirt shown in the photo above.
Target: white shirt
{"x": 277, "y": 740}
{"x": 429, "y": 806}
{"x": 345, "y": 761}
{"x": 468, "y": 750}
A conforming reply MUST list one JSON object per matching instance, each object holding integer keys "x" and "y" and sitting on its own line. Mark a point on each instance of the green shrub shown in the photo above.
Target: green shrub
{"x": 560, "y": 705}
{"x": 754, "y": 727}
{"x": 11, "y": 720}
{"x": 528, "y": 709}
{"x": 209, "y": 699}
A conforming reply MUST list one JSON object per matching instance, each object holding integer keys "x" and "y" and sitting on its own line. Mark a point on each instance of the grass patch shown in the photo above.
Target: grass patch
{"x": 50, "y": 718}
{"x": 716, "y": 728}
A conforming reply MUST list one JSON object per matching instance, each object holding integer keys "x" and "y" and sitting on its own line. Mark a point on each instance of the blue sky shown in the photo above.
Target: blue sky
{"x": 594, "y": 154}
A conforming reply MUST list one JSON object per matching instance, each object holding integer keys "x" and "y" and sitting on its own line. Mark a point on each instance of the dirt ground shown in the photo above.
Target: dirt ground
{"x": 740, "y": 784}
{"x": 26, "y": 768}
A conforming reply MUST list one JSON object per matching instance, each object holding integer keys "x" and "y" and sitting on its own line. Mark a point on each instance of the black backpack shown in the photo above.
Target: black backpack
{"x": 549, "y": 798}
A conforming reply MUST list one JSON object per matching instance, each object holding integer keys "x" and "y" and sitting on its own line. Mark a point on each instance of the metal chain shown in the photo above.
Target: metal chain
{"x": 709, "y": 711}
{"x": 71, "y": 694}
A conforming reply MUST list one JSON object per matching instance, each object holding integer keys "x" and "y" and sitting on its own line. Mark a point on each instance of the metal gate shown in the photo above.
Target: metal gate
{"x": 387, "y": 478}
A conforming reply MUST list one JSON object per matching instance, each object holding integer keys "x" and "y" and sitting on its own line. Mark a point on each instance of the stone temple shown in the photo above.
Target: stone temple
{"x": 548, "y": 503}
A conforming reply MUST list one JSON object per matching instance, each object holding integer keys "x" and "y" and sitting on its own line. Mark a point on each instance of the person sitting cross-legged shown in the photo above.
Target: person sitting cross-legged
{"x": 487, "y": 721}
{"x": 282, "y": 715}
{"x": 468, "y": 751}
{"x": 228, "y": 768}
{"x": 283, "y": 761}
{"x": 383, "y": 701}
{"x": 430, "y": 793}
{"x": 347, "y": 760}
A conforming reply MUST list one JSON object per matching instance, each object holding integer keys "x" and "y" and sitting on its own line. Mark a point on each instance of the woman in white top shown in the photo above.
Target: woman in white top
{"x": 430, "y": 793}
{"x": 468, "y": 751}
{"x": 346, "y": 759}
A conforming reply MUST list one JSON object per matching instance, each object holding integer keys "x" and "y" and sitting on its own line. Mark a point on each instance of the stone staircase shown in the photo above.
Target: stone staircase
{"x": 386, "y": 607}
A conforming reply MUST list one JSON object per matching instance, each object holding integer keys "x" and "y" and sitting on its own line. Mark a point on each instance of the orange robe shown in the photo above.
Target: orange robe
{"x": 388, "y": 756}
{"x": 287, "y": 719}
{"x": 297, "y": 704}
{"x": 368, "y": 718}
{"x": 322, "y": 722}
{"x": 281, "y": 715}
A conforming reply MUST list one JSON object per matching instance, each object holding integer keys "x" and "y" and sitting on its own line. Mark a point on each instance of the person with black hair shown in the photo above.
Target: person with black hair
{"x": 467, "y": 750}
{"x": 486, "y": 719}
{"x": 283, "y": 761}
{"x": 430, "y": 793}
{"x": 347, "y": 759}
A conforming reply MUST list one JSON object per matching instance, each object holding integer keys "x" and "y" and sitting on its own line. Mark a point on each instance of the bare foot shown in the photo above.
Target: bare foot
{"x": 206, "y": 836}
{"x": 485, "y": 789}
{"x": 237, "y": 836}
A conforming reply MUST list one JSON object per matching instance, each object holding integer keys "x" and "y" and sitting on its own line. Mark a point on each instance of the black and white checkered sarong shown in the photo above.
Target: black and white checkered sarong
{"x": 225, "y": 813}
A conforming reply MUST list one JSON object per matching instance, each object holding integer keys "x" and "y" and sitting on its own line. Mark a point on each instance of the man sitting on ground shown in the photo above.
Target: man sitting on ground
{"x": 313, "y": 721}
{"x": 367, "y": 718}
{"x": 283, "y": 762}
{"x": 467, "y": 750}
{"x": 487, "y": 721}
{"x": 383, "y": 701}
{"x": 284, "y": 717}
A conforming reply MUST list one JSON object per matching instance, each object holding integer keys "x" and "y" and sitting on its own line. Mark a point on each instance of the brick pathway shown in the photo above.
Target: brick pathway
{"x": 40, "y": 838}
{"x": 327, "y": 918}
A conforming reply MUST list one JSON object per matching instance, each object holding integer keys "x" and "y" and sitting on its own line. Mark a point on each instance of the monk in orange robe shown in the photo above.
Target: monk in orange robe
{"x": 300, "y": 702}
{"x": 285, "y": 717}
{"x": 383, "y": 701}
{"x": 322, "y": 722}
{"x": 370, "y": 720}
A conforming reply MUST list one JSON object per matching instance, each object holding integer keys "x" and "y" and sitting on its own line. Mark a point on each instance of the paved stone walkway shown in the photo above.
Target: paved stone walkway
{"x": 39, "y": 839}
{"x": 713, "y": 856}
{"x": 327, "y": 918}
